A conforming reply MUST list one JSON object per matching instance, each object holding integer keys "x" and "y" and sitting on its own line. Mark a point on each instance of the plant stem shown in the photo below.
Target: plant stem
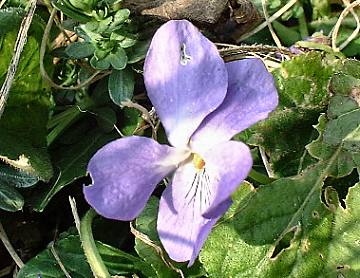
{"x": 91, "y": 252}
{"x": 261, "y": 178}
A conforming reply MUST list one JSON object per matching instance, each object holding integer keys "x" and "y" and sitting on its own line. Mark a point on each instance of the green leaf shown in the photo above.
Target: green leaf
{"x": 10, "y": 198}
{"x": 321, "y": 9}
{"x": 340, "y": 129}
{"x": 120, "y": 262}
{"x": 100, "y": 64}
{"x": 130, "y": 121}
{"x": 344, "y": 250}
{"x": 16, "y": 178}
{"x": 79, "y": 50}
{"x": 83, "y": 5}
{"x": 120, "y": 16}
{"x": 137, "y": 52}
{"x": 103, "y": 25}
{"x": 345, "y": 162}
{"x": 118, "y": 59}
{"x": 68, "y": 9}
{"x": 287, "y": 35}
{"x": 303, "y": 93}
{"x": 71, "y": 255}
{"x": 127, "y": 42}
{"x": 121, "y": 85}
{"x": 72, "y": 162}
{"x": 106, "y": 118}
{"x": 292, "y": 237}
{"x": 102, "y": 60}
{"x": 10, "y": 19}
{"x": 23, "y": 124}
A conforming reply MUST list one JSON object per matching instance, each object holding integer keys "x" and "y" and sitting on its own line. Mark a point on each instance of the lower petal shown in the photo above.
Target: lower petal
{"x": 224, "y": 167}
{"x": 197, "y": 197}
{"x": 125, "y": 173}
{"x": 183, "y": 232}
{"x": 205, "y": 230}
{"x": 227, "y": 164}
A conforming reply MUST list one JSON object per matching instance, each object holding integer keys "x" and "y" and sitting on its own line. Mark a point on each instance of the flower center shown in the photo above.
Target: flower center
{"x": 198, "y": 162}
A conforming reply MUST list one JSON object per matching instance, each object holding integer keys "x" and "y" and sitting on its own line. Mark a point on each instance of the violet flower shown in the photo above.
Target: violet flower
{"x": 202, "y": 103}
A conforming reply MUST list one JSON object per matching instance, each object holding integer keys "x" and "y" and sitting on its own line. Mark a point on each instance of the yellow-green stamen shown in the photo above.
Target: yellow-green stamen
{"x": 198, "y": 162}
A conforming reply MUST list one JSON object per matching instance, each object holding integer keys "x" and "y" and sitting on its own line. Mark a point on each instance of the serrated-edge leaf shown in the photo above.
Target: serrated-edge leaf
{"x": 344, "y": 250}
{"x": 242, "y": 246}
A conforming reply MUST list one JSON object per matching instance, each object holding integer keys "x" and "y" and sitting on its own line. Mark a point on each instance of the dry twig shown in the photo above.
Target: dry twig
{"x": 2, "y": 3}
{"x": 344, "y": 13}
{"x": 57, "y": 258}
{"x": 146, "y": 115}
{"x": 266, "y": 15}
{"x": 275, "y": 16}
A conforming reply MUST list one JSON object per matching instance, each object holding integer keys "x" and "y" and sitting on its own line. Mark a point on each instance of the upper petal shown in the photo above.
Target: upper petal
{"x": 124, "y": 174}
{"x": 250, "y": 98}
{"x": 185, "y": 78}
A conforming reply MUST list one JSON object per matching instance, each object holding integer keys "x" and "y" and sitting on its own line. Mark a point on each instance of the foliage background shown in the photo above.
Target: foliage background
{"x": 297, "y": 214}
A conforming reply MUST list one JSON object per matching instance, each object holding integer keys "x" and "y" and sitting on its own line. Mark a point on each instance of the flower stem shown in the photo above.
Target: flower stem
{"x": 259, "y": 177}
{"x": 91, "y": 252}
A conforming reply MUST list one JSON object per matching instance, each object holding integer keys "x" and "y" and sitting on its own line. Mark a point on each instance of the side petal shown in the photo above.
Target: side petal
{"x": 183, "y": 232}
{"x": 124, "y": 174}
{"x": 185, "y": 78}
{"x": 251, "y": 96}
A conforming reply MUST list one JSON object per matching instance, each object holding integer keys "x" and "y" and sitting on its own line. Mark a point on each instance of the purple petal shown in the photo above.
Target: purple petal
{"x": 183, "y": 232}
{"x": 228, "y": 164}
{"x": 250, "y": 98}
{"x": 125, "y": 173}
{"x": 197, "y": 198}
{"x": 185, "y": 78}
{"x": 205, "y": 230}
